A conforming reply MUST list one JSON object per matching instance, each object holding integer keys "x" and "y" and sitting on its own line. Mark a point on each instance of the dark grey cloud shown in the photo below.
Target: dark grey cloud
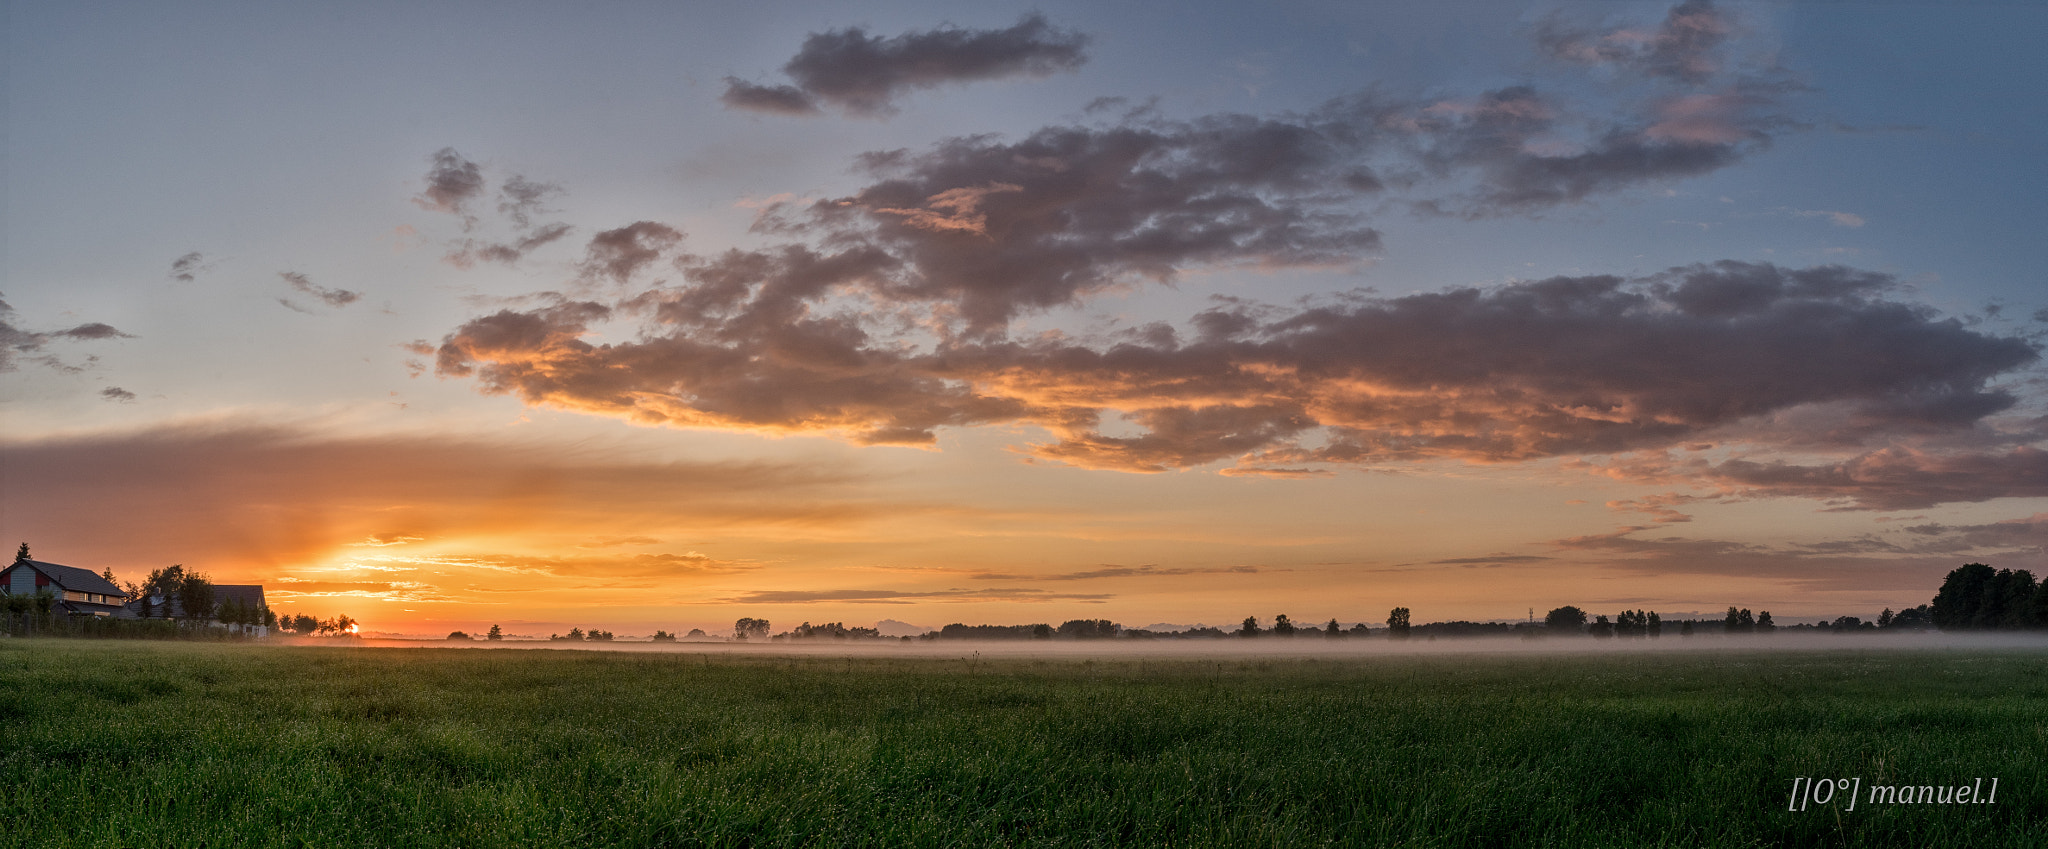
{"x": 187, "y": 268}
{"x": 456, "y": 182}
{"x": 331, "y": 297}
{"x": 18, "y": 343}
{"x": 453, "y": 182}
{"x": 622, "y": 252}
{"x": 777, "y": 99}
{"x": 469, "y": 252}
{"x": 92, "y": 330}
{"x": 863, "y": 75}
{"x": 519, "y": 199}
{"x": 116, "y": 393}
{"x": 1896, "y": 477}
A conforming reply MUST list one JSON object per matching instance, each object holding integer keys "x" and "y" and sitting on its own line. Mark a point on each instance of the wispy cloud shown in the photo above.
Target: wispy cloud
{"x": 864, "y": 75}
{"x": 331, "y": 297}
{"x": 18, "y": 343}
{"x": 956, "y": 595}
{"x": 187, "y": 268}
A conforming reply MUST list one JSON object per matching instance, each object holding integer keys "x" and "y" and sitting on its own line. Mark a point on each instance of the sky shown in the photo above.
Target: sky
{"x": 646, "y": 316}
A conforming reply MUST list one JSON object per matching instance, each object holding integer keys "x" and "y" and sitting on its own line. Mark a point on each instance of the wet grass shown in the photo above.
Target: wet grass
{"x": 142, "y": 744}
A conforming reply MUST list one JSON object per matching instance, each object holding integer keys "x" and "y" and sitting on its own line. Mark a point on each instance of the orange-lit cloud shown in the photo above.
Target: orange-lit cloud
{"x": 1560, "y": 367}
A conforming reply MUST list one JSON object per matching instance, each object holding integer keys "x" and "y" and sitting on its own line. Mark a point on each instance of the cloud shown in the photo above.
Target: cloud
{"x": 469, "y": 252}
{"x": 585, "y": 566}
{"x": 187, "y": 268}
{"x": 453, "y": 182}
{"x": 1564, "y": 366}
{"x": 956, "y": 595}
{"x": 519, "y": 199}
{"x": 891, "y": 312}
{"x": 1860, "y": 565}
{"x": 1491, "y": 560}
{"x": 17, "y": 342}
{"x": 1897, "y": 477}
{"x": 864, "y": 75}
{"x": 775, "y": 100}
{"x": 1686, "y": 46}
{"x": 1839, "y": 219}
{"x": 1122, "y": 572}
{"x": 622, "y": 252}
{"x": 93, "y": 330}
{"x": 1660, "y": 508}
{"x": 116, "y": 393}
{"x": 298, "y": 591}
{"x": 331, "y": 297}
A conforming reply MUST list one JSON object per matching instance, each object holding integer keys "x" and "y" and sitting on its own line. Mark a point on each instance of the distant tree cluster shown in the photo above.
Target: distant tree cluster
{"x": 748, "y": 628}
{"x": 577, "y": 635}
{"x": 305, "y": 625}
{"x": 1977, "y": 598}
{"x": 829, "y": 630}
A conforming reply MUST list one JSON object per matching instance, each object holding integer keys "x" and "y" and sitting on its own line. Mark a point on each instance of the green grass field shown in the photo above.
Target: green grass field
{"x": 165, "y": 744}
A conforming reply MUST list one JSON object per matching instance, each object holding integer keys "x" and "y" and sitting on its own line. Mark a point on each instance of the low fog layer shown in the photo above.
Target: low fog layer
{"x": 1852, "y": 642}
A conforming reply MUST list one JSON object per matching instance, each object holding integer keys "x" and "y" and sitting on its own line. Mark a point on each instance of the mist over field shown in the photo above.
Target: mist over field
{"x": 1310, "y": 647}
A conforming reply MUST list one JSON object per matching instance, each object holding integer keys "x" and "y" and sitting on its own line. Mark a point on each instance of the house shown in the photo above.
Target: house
{"x": 247, "y": 596}
{"x": 78, "y": 591}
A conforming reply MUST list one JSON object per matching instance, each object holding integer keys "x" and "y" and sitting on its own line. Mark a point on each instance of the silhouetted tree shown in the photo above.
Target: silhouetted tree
{"x": 1397, "y": 623}
{"x": 1764, "y": 625}
{"x": 1738, "y": 621}
{"x": 1088, "y": 629}
{"x": 2008, "y": 601}
{"x": 1565, "y": 620}
{"x": 496, "y": 633}
{"x": 1041, "y": 631}
{"x": 749, "y": 628}
{"x": 663, "y": 637}
{"x": 458, "y": 636}
{"x": 1360, "y": 630}
{"x": 1914, "y": 618}
{"x": 1656, "y": 625}
{"x": 1685, "y": 628}
{"x": 1250, "y": 628}
{"x": 1961, "y": 597}
{"x": 162, "y": 586}
{"x": 21, "y": 554}
{"x": 195, "y": 593}
{"x": 1601, "y": 627}
{"x": 1331, "y": 631}
{"x": 1282, "y": 626}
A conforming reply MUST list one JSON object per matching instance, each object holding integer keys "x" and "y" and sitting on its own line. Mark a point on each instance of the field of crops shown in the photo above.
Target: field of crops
{"x": 168, "y": 744}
